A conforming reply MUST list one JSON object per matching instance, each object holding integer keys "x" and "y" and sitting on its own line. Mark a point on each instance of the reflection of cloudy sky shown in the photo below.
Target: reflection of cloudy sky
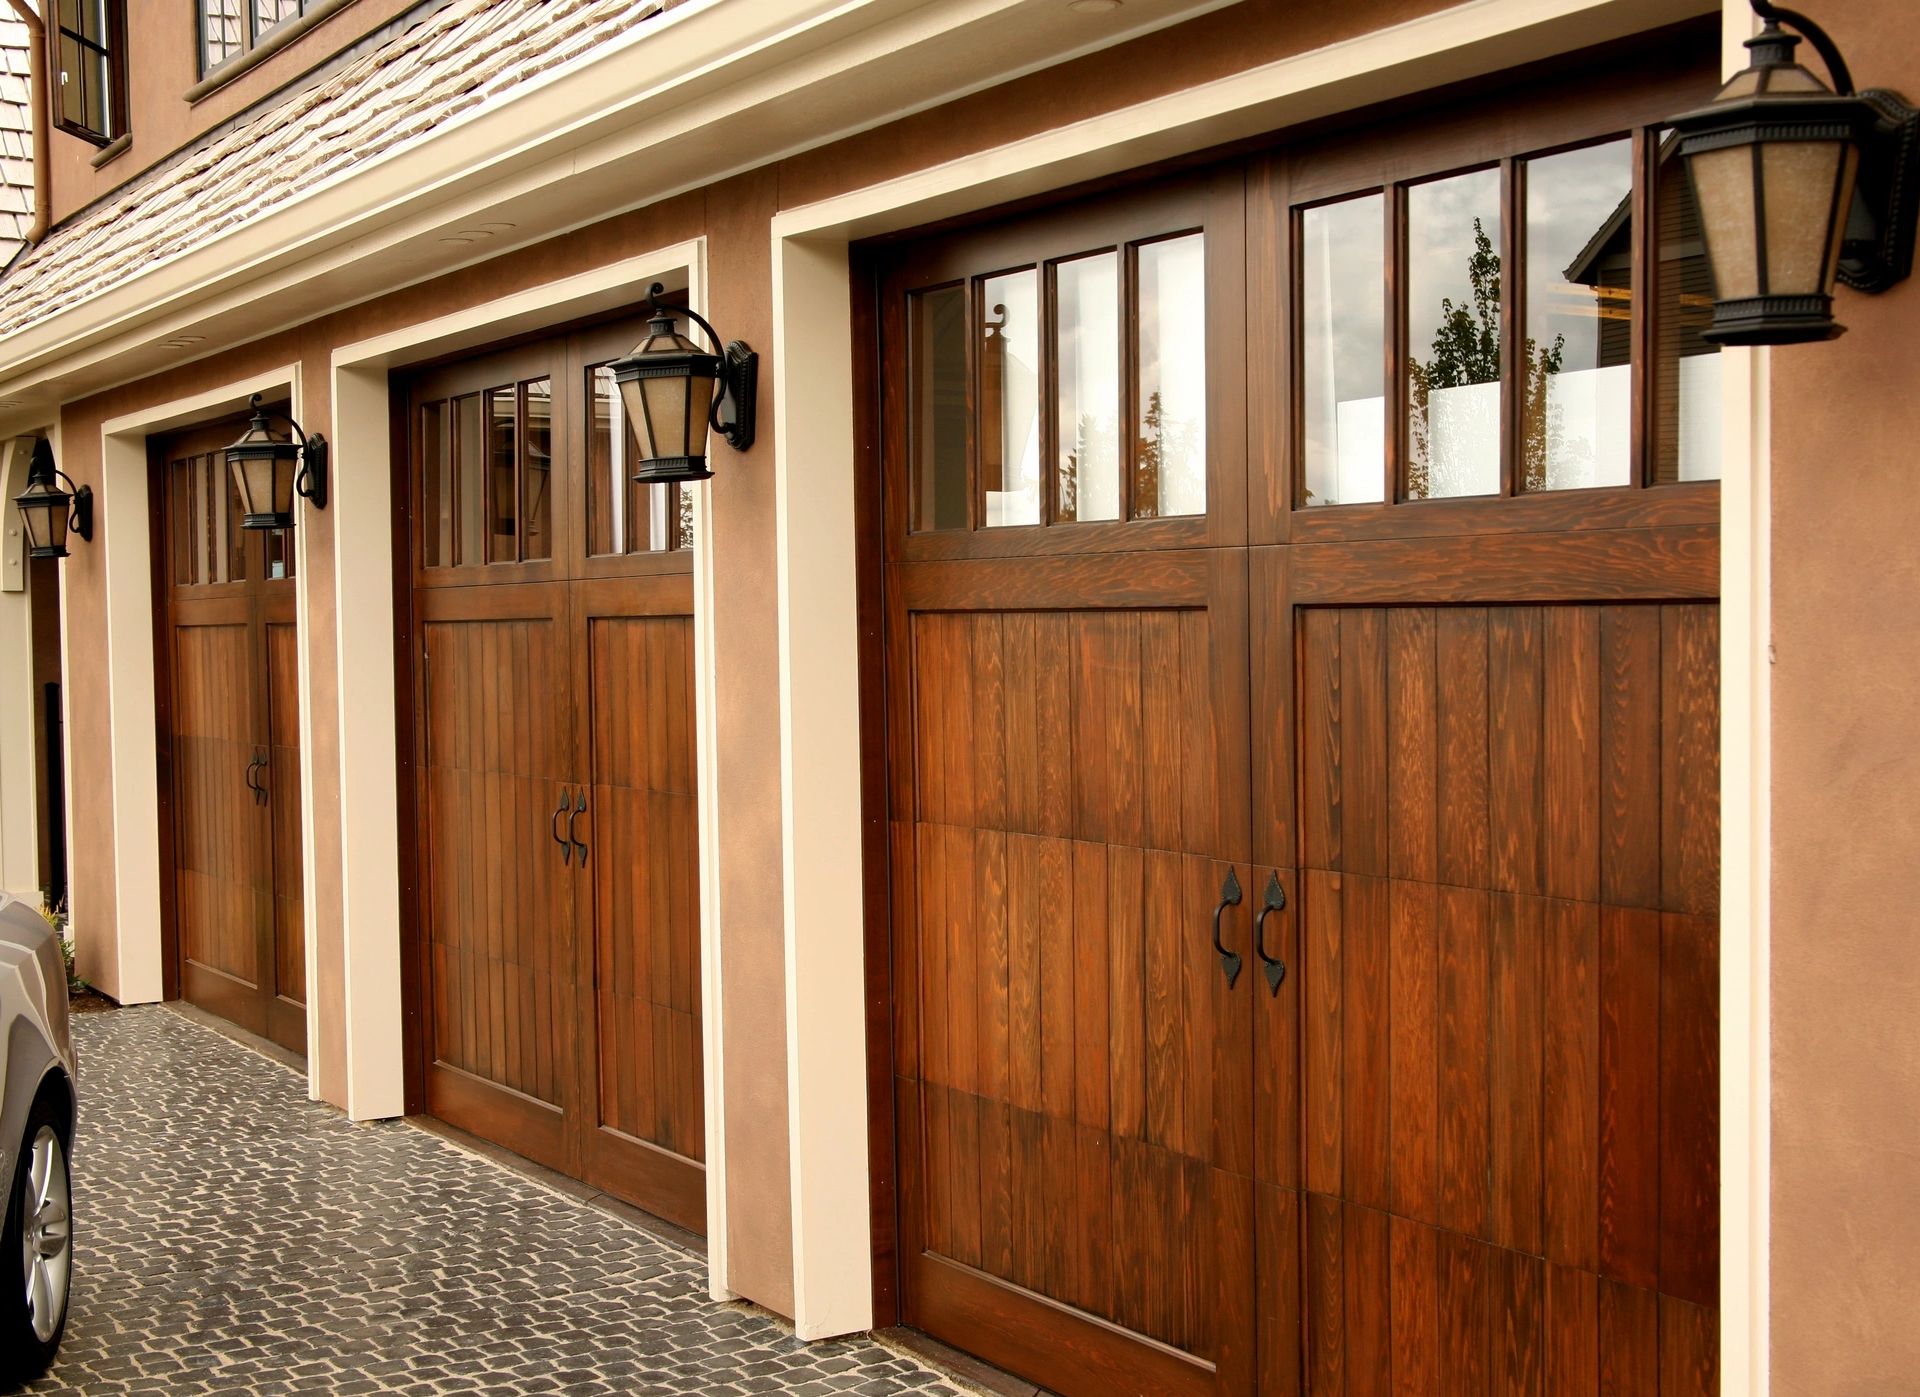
{"x": 1440, "y": 215}
{"x": 1569, "y": 197}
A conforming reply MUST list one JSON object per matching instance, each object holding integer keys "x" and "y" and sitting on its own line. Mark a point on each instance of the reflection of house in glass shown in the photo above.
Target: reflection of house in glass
{"x": 1685, "y": 383}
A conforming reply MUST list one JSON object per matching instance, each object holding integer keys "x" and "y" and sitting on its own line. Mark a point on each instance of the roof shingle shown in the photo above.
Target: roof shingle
{"x": 455, "y": 60}
{"x": 16, "y": 138}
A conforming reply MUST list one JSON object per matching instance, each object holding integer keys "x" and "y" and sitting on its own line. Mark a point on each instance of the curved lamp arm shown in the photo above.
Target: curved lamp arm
{"x": 1829, "y": 52}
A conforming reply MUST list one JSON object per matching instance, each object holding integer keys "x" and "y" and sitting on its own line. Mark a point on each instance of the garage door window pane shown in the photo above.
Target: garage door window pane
{"x": 1577, "y": 413}
{"x": 536, "y": 468}
{"x": 1343, "y": 304}
{"x": 938, "y": 413}
{"x": 1087, "y": 343}
{"x": 1170, "y": 456}
{"x": 1453, "y": 336}
{"x": 502, "y": 507}
{"x": 1010, "y": 399}
{"x": 469, "y": 481}
{"x": 1686, "y": 373}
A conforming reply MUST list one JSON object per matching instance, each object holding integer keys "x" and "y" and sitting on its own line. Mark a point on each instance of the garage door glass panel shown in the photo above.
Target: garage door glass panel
{"x": 1010, "y": 399}
{"x": 502, "y": 494}
{"x": 1170, "y": 455}
{"x": 469, "y": 481}
{"x": 1453, "y": 336}
{"x": 434, "y": 447}
{"x": 1087, "y": 363}
{"x": 536, "y": 466}
{"x": 1577, "y": 408}
{"x": 937, "y": 328}
{"x": 1687, "y": 369}
{"x": 1343, "y": 351}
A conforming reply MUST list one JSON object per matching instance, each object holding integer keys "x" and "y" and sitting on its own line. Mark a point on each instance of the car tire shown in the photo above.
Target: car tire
{"x": 35, "y": 1283}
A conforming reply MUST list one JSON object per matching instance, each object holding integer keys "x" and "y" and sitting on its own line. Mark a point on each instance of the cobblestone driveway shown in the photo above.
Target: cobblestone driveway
{"x": 235, "y": 1237}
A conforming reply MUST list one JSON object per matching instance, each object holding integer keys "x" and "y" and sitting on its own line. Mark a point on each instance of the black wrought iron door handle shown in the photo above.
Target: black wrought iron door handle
{"x": 260, "y": 788}
{"x": 579, "y": 809}
{"x": 1230, "y": 961}
{"x": 553, "y": 828}
{"x": 1276, "y": 901}
{"x": 252, "y": 767}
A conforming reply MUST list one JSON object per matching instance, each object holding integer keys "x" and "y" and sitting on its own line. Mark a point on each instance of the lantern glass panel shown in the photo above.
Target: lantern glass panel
{"x": 1723, "y": 185}
{"x": 46, "y": 524}
{"x": 1801, "y": 179}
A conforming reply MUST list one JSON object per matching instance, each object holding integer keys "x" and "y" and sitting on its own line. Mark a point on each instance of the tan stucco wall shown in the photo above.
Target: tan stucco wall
{"x": 1846, "y": 819}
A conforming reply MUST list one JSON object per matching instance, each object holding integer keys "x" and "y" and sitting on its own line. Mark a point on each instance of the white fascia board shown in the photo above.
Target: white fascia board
{"x": 707, "y": 90}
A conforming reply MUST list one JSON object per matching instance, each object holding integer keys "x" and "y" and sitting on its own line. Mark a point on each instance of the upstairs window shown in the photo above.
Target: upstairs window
{"x": 1505, "y": 329}
{"x": 90, "y": 91}
{"x": 229, "y": 28}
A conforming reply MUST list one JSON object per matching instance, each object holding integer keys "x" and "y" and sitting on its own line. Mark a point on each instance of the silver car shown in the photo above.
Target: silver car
{"x": 37, "y": 1073}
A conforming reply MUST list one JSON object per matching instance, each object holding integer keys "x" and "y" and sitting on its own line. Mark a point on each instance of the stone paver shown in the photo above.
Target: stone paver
{"x": 235, "y": 1237}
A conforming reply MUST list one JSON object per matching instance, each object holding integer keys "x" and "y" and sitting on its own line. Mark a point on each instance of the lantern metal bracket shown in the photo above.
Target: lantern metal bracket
{"x": 1876, "y": 250}
{"x": 732, "y": 414}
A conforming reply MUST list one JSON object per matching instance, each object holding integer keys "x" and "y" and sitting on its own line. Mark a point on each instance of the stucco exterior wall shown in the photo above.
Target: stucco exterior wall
{"x": 1846, "y": 820}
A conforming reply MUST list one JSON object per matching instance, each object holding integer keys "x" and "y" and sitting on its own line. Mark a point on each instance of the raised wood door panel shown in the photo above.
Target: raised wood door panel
{"x": 221, "y": 871}
{"x": 638, "y": 977}
{"x": 233, "y": 760}
{"x": 1508, "y": 833}
{"x": 497, "y": 874}
{"x": 1074, "y": 1074}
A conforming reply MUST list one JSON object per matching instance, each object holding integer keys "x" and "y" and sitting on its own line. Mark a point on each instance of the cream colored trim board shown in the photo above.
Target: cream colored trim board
{"x": 820, "y": 844}
{"x": 1746, "y": 840}
{"x": 19, "y": 805}
{"x": 128, "y": 565}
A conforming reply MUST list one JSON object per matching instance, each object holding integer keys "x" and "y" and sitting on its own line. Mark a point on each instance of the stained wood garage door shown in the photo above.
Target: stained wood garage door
{"x": 232, "y": 783}
{"x": 559, "y": 903}
{"x": 1303, "y": 920}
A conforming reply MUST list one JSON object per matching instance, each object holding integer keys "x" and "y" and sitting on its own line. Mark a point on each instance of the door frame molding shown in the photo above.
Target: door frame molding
{"x": 143, "y": 924}
{"x": 843, "y": 1179}
{"x": 378, "y": 907}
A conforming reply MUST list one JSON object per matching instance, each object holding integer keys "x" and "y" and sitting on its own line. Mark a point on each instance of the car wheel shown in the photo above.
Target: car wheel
{"x": 36, "y": 1248}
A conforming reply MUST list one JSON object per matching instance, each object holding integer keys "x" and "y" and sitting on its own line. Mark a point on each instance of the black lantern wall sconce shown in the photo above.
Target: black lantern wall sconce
{"x": 264, "y": 471}
{"x": 674, "y": 394}
{"x": 1799, "y": 185}
{"x": 49, "y": 512}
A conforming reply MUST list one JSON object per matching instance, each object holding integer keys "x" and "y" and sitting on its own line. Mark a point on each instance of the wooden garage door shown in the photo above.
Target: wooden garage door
{"x": 1301, "y": 701}
{"x": 231, "y": 711}
{"x": 558, "y": 854}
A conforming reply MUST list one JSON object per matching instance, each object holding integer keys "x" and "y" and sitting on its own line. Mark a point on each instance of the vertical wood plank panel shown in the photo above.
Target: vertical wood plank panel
{"x": 1570, "y": 753}
{"x": 1412, "y": 737}
{"x": 1516, "y": 1074}
{"x": 1629, "y": 1095}
{"x": 1461, "y": 774}
{"x": 1464, "y": 1021}
{"x": 1320, "y": 739}
{"x": 1365, "y": 1027}
{"x": 1689, "y": 1109}
{"x": 1320, "y": 990}
{"x": 1690, "y": 759}
{"x": 1629, "y": 756}
{"x": 1414, "y": 1063}
{"x": 1571, "y": 1096}
{"x": 1363, "y": 741}
{"x": 1515, "y": 685}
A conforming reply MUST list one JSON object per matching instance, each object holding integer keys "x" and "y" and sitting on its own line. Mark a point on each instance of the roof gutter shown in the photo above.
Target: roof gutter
{"x": 42, "y": 119}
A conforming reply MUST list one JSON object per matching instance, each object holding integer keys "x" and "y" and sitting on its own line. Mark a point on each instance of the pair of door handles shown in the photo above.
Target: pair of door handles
{"x": 1231, "y": 961}
{"x": 573, "y": 807}
{"x": 256, "y": 777}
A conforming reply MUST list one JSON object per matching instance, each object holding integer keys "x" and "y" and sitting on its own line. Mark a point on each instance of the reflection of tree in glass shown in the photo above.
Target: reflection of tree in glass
{"x": 1093, "y": 440}
{"x": 1466, "y": 351}
{"x": 686, "y": 516}
{"x": 1166, "y": 446}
